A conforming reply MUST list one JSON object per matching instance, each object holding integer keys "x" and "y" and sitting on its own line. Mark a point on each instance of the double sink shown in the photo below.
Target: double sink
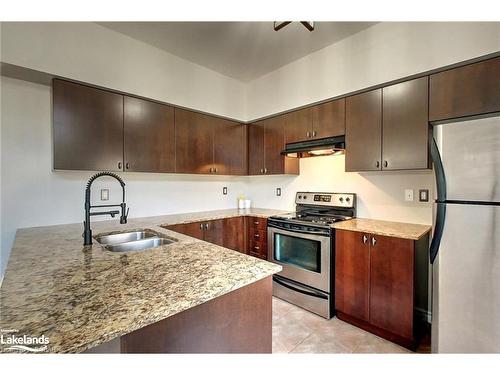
{"x": 136, "y": 240}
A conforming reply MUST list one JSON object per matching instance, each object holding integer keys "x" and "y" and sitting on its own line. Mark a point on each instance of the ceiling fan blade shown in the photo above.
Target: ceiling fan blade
{"x": 309, "y": 25}
{"x": 278, "y": 25}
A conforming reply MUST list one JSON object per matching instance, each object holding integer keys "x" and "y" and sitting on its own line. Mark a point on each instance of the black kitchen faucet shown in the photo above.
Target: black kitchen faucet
{"x": 87, "y": 232}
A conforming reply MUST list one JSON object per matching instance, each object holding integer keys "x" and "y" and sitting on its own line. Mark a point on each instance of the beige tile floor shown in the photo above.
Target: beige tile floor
{"x": 296, "y": 330}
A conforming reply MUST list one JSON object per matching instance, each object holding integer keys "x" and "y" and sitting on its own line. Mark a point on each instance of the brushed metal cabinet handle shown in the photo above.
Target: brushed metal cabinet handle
{"x": 201, "y": 226}
{"x": 127, "y": 166}
{"x": 256, "y": 235}
{"x": 215, "y": 170}
{"x": 256, "y": 248}
{"x": 308, "y": 134}
{"x": 314, "y": 133}
{"x": 207, "y": 225}
{"x": 256, "y": 222}
{"x": 377, "y": 164}
{"x": 385, "y": 163}
{"x": 374, "y": 241}
{"x": 265, "y": 170}
{"x": 365, "y": 239}
{"x": 262, "y": 170}
{"x": 119, "y": 165}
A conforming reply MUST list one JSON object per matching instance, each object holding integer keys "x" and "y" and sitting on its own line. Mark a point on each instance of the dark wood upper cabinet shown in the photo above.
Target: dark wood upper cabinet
{"x": 391, "y": 284}
{"x": 363, "y": 133}
{"x": 256, "y": 148}
{"x": 88, "y": 127}
{"x": 274, "y": 143}
{"x": 465, "y": 91}
{"x": 194, "y": 144}
{"x": 328, "y": 119}
{"x": 149, "y": 141}
{"x": 319, "y": 121}
{"x": 266, "y": 140}
{"x": 405, "y": 125}
{"x": 298, "y": 125}
{"x": 230, "y": 148}
{"x": 352, "y": 274}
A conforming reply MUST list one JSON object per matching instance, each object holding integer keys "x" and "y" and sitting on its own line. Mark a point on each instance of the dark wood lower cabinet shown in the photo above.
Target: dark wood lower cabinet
{"x": 352, "y": 274}
{"x": 237, "y": 322}
{"x": 379, "y": 282}
{"x": 246, "y": 234}
{"x": 257, "y": 237}
{"x": 229, "y": 232}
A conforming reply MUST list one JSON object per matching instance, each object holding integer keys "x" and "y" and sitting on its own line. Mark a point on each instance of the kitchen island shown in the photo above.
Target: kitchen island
{"x": 188, "y": 296}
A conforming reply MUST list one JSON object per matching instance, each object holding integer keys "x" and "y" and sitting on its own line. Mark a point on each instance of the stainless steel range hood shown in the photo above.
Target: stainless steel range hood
{"x": 316, "y": 147}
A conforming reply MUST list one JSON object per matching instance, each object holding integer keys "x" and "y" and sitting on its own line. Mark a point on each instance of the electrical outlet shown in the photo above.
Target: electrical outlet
{"x": 105, "y": 194}
{"x": 278, "y": 192}
{"x": 423, "y": 195}
{"x": 409, "y": 195}
{"x": 224, "y": 190}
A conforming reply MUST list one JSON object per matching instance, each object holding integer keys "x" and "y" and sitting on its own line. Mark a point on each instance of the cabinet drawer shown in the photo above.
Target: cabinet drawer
{"x": 257, "y": 223}
{"x": 257, "y": 235}
{"x": 257, "y": 249}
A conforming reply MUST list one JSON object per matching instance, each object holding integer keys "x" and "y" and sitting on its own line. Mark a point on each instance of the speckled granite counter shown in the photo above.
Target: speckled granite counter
{"x": 384, "y": 228}
{"x": 80, "y": 297}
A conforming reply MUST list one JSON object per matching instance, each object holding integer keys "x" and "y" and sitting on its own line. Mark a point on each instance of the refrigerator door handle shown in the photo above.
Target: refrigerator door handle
{"x": 438, "y": 231}
{"x": 440, "y": 201}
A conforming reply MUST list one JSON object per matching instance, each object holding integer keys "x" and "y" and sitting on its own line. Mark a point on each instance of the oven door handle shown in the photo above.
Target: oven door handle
{"x": 298, "y": 230}
{"x": 299, "y": 290}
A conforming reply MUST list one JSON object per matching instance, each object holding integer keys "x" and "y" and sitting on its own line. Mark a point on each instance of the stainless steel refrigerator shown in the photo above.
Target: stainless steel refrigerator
{"x": 465, "y": 249}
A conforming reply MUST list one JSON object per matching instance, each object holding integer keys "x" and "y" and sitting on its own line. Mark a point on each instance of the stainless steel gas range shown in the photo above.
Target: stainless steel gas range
{"x": 303, "y": 243}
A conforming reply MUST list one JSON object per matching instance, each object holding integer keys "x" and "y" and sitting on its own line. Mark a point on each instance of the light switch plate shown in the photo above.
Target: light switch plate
{"x": 423, "y": 195}
{"x": 105, "y": 194}
{"x": 224, "y": 190}
{"x": 278, "y": 192}
{"x": 409, "y": 195}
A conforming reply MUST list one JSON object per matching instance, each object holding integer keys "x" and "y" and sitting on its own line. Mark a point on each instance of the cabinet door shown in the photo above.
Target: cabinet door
{"x": 194, "y": 144}
{"x": 274, "y": 143}
{"x": 391, "y": 285}
{"x": 256, "y": 148}
{"x": 329, "y": 119}
{"x": 234, "y": 233}
{"x": 230, "y": 148}
{"x": 214, "y": 232}
{"x": 195, "y": 229}
{"x": 352, "y": 273}
{"x": 88, "y": 127}
{"x": 298, "y": 125}
{"x": 363, "y": 131}
{"x": 465, "y": 91}
{"x": 405, "y": 125}
{"x": 149, "y": 141}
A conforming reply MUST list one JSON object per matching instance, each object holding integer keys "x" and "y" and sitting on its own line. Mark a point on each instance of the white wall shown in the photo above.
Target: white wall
{"x": 34, "y": 195}
{"x": 383, "y": 52}
{"x": 94, "y": 54}
{"x": 380, "y": 195}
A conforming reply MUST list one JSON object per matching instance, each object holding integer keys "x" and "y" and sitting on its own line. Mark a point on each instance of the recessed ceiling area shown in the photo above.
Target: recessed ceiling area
{"x": 241, "y": 50}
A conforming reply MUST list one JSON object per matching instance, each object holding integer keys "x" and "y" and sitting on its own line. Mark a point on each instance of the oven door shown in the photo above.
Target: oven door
{"x": 305, "y": 257}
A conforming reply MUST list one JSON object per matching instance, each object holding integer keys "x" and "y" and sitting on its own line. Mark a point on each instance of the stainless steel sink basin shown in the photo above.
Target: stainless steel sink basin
{"x": 114, "y": 239}
{"x": 136, "y": 240}
{"x": 144, "y": 244}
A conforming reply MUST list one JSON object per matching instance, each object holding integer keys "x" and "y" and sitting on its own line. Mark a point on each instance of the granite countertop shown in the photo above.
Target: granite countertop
{"x": 80, "y": 297}
{"x": 384, "y": 228}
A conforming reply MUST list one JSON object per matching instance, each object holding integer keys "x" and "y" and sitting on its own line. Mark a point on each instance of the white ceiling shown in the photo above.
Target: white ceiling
{"x": 242, "y": 50}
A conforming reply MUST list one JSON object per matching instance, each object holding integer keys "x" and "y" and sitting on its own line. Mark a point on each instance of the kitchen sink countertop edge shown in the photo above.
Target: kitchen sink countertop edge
{"x": 80, "y": 297}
